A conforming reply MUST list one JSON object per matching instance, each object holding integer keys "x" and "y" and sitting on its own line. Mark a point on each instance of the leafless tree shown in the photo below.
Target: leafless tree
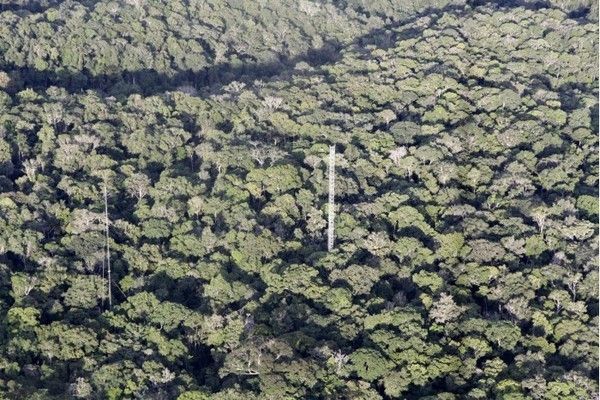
{"x": 30, "y": 167}
{"x": 340, "y": 360}
{"x": 539, "y": 216}
{"x": 138, "y": 185}
{"x": 397, "y": 154}
{"x": 272, "y": 103}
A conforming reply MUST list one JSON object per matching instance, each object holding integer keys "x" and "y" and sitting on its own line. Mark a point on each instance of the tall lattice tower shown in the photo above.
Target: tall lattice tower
{"x": 331, "y": 206}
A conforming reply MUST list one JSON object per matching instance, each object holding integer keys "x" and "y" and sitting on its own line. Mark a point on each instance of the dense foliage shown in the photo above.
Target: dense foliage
{"x": 466, "y": 249}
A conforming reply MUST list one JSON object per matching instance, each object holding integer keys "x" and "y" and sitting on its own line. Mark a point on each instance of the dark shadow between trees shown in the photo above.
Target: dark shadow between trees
{"x": 150, "y": 82}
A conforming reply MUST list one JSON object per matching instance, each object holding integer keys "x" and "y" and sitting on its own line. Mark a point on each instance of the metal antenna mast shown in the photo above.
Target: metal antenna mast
{"x": 331, "y": 206}
{"x": 107, "y": 251}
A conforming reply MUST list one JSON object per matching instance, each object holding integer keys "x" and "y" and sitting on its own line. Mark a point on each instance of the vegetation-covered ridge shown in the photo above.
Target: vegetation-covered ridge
{"x": 135, "y": 46}
{"x": 466, "y": 249}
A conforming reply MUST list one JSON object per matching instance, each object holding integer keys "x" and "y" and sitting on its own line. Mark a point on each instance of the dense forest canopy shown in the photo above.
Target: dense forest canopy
{"x": 176, "y": 153}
